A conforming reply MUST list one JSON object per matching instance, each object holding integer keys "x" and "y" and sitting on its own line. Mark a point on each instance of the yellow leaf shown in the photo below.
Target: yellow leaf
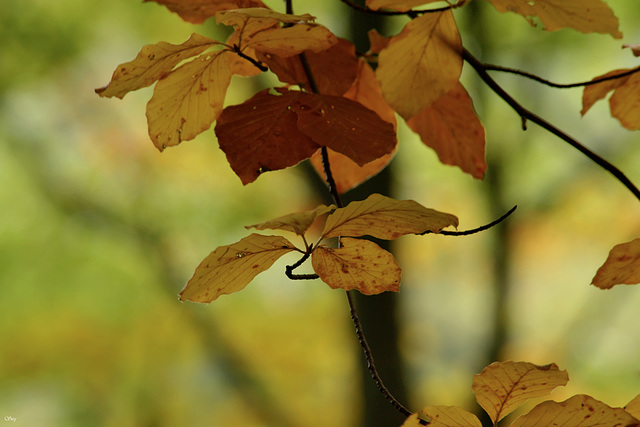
{"x": 238, "y": 18}
{"x": 230, "y": 268}
{"x": 633, "y": 407}
{"x": 385, "y": 218}
{"x": 450, "y": 126}
{"x": 503, "y": 386}
{"x": 297, "y": 222}
{"x": 587, "y": 16}
{"x": 578, "y": 411}
{"x": 622, "y": 266}
{"x": 153, "y": 63}
{"x": 289, "y": 41}
{"x": 198, "y": 11}
{"x": 420, "y": 64}
{"x": 595, "y": 92}
{"x": 443, "y": 416}
{"x": 189, "y": 100}
{"x": 399, "y": 5}
{"x": 358, "y": 264}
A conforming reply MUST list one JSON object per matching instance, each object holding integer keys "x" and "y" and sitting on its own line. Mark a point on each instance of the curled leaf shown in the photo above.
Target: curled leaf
{"x": 297, "y": 222}
{"x": 230, "y": 268}
{"x": 622, "y": 266}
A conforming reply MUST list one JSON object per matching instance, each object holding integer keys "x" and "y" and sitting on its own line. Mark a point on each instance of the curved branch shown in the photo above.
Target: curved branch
{"x": 289, "y": 268}
{"x": 528, "y": 115}
{"x": 476, "y": 230}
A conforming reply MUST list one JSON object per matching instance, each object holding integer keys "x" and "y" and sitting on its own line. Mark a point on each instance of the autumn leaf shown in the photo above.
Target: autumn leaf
{"x": 577, "y": 411}
{"x": 198, "y": 11}
{"x": 586, "y": 16}
{"x": 357, "y": 264}
{"x": 297, "y": 222}
{"x": 595, "y": 92}
{"x": 503, "y": 386}
{"x": 451, "y": 127}
{"x": 633, "y": 407}
{"x": 385, "y": 218}
{"x": 624, "y": 103}
{"x": 420, "y": 64}
{"x": 443, "y": 416}
{"x": 230, "y": 268}
{"x": 622, "y": 267}
{"x": 377, "y": 42}
{"x": 399, "y": 5}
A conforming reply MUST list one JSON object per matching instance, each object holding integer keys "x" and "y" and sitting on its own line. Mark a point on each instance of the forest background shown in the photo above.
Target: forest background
{"x": 99, "y": 232}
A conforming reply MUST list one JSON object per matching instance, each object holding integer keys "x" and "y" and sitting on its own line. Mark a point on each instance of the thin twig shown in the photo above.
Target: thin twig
{"x": 257, "y": 64}
{"x": 289, "y": 268}
{"x": 475, "y": 230}
{"x": 528, "y": 115}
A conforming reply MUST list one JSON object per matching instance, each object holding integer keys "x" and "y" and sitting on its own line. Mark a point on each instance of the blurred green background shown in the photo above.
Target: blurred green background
{"x": 99, "y": 232}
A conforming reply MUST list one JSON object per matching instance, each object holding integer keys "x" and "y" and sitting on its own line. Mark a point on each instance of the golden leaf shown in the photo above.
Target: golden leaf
{"x": 633, "y": 407}
{"x": 451, "y": 127}
{"x": 297, "y": 222}
{"x": 358, "y": 264}
{"x": 385, "y": 218}
{"x": 198, "y": 11}
{"x": 503, "y": 386}
{"x": 443, "y": 416}
{"x": 587, "y": 16}
{"x": 622, "y": 266}
{"x": 187, "y": 101}
{"x": 399, "y": 5}
{"x": 260, "y": 15}
{"x": 420, "y": 64}
{"x": 578, "y": 411}
{"x": 289, "y": 41}
{"x": 230, "y": 268}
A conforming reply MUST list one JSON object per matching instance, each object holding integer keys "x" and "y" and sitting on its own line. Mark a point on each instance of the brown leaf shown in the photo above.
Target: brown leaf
{"x": 450, "y": 126}
{"x": 358, "y": 264}
{"x": 595, "y": 92}
{"x": 198, "y": 11}
{"x": 443, "y": 416}
{"x": 399, "y": 5}
{"x": 577, "y": 411}
{"x": 421, "y": 64}
{"x": 503, "y": 386}
{"x": 186, "y": 102}
{"x": 153, "y": 62}
{"x": 625, "y": 103}
{"x": 230, "y": 268}
{"x": 297, "y": 222}
{"x": 385, "y": 218}
{"x": 622, "y": 266}
{"x": 262, "y": 134}
{"x": 587, "y": 16}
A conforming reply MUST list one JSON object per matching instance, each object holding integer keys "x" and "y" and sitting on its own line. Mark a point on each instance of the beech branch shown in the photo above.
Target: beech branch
{"x": 475, "y": 230}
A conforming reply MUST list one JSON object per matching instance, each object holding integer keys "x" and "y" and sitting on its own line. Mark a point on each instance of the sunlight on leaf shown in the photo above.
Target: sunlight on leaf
{"x": 198, "y": 11}
{"x": 622, "y": 266}
{"x": 399, "y": 5}
{"x": 587, "y": 16}
{"x": 421, "y": 64}
{"x": 358, "y": 264}
{"x": 297, "y": 222}
{"x": 385, "y": 218}
{"x": 451, "y": 127}
{"x": 503, "y": 386}
{"x": 230, "y": 268}
{"x": 444, "y": 416}
{"x": 578, "y": 411}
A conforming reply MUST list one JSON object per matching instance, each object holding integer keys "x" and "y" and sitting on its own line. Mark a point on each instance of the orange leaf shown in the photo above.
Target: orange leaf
{"x": 377, "y": 42}
{"x": 443, "y": 416}
{"x": 399, "y": 5}
{"x": 358, "y": 264}
{"x": 230, "y": 268}
{"x": 578, "y": 411}
{"x": 503, "y": 386}
{"x": 297, "y": 222}
{"x": 421, "y": 64}
{"x": 633, "y": 407}
{"x": 262, "y": 134}
{"x": 385, "y": 218}
{"x": 595, "y": 92}
{"x": 587, "y": 16}
{"x": 198, "y": 11}
{"x": 153, "y": 62}
{"x": 622, "y": 267}
{"x": 625, "y": 103}
{"x": 450, "y": 126}
{"x": 187, "y": 101}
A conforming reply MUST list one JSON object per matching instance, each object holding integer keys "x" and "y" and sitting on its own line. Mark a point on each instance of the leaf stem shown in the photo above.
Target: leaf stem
{"x": 475, "y": 230}
{"x": 528, "y": 115}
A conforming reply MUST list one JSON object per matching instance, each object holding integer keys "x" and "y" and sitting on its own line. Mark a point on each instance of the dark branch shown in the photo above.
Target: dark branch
{"x": 476, "y": 230}
{"x": 257, "y": 64}
{"x": 289, "y": 268}
{"x": 528, "y": 115}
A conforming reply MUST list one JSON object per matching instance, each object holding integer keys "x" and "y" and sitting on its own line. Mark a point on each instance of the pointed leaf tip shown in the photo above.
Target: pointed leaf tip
{"x": 622, "y": 266}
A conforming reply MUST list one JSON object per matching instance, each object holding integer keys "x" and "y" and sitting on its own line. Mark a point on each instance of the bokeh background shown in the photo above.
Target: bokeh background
{"x": 99, "y": 232}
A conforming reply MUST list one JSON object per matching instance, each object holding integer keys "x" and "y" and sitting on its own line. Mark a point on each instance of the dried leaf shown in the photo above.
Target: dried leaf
{"x": 230, "y": 268}
{"x": 625, "y": 103}
{"x": 451, "y": 127}
{"x": 503, "y": 386}
{"x": 262, "y": 134}
{"x": 578, "y": 411}
{"x": 622, "y": 266}
{"x": 290, "y": 41}
{"x": 297, "y": 222}
{"x": 153, "y": 63}
{"x": 399, "y": 5}
{"x": 443, "y": 416}
{"x": 385, "y": 218}
{"x": 587, "y": 16}
{"x": 358, "y": 264}
{"x": 187, "y": 101}
{"x": 421, "y": 64}
{"x": 595, "y": 92}
{"x": 377, "y": 42}
{"x": 633, "y": 407}
{"x": 198, "y": 11}
{"x": 259, "y": 18}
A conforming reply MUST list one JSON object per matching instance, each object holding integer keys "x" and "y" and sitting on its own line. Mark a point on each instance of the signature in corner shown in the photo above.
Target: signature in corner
{"x": 10, "y": 418}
